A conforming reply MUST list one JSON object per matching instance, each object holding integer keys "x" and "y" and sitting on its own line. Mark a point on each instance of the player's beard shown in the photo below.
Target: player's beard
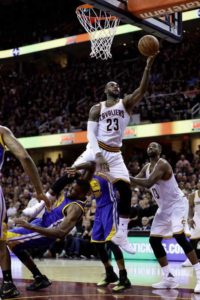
{"x": 152, "y": 155}
{"x": 114, "y": 95}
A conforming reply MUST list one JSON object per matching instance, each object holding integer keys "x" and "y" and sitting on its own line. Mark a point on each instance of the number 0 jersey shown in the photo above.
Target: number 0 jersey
{"x": 166, "y": 192}
{"x": 112, "y": 124}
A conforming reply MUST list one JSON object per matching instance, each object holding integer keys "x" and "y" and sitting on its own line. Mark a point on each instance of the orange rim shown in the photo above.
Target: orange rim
{"x": 93, "y": 19}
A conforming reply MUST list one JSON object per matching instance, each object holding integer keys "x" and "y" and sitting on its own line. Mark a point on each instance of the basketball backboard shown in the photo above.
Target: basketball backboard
{"x": 168, "y": 27}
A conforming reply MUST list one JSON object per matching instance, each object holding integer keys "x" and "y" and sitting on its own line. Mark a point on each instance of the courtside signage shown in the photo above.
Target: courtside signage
{"x": 131, "y": 132}
{"x": 144, "y": 251}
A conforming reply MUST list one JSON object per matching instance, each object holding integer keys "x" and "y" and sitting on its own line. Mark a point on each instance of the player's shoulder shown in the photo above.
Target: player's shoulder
{"x": 102, "y": 176}
{"x": 4, "y": 129}
{"x": 95, "y": 110}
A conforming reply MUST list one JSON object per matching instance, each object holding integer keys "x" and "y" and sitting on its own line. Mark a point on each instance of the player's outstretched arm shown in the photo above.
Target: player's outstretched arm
{"x": 26, "y": 161}
{"x": 157, "y": 174}
{"x": 130, "y": 100}
{"x": 73, "y": 214}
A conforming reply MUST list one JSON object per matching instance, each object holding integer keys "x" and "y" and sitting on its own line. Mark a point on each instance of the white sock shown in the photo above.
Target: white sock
{"x": 165, "y": 270}
{"x": 123, "y": 225}
{"x": 197, "y": 270}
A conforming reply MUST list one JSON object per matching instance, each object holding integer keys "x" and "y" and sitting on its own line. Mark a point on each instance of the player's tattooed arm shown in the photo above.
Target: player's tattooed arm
{"x": 94, "y": 113}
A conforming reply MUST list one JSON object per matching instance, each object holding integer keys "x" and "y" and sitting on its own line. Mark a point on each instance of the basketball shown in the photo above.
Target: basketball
{"x": 148, "y": 45}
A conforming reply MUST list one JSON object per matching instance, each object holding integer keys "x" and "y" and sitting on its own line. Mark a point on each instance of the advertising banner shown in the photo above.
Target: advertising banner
{"x": 144, "y": 251}
{"x": 148, "y": 9}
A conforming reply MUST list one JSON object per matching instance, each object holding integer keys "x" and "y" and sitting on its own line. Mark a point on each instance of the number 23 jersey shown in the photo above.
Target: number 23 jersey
{"x": 112, "y": 124}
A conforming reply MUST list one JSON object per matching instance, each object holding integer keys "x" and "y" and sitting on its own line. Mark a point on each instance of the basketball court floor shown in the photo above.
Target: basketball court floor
{"x": 75, "y": 280}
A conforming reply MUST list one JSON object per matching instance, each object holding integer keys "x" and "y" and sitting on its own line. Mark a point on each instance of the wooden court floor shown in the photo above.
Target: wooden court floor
{"x": 76, "y": 280}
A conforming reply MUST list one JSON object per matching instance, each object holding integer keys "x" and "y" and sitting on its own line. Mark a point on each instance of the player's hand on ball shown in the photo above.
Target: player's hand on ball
{"x": 150, "y": 60}
{"x": 101, "y": 163}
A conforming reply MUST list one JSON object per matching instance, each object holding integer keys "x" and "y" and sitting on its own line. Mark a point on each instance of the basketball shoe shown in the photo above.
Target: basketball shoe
{"x": 8, "y": 290}
{"x": 111, "y": 277}
{"x": 123, "y": 284}
{"x": 166, "y": 283}
{"x": 121, "y": 240}
{"x": 40, "y": 282}
{"x": 186, "y": 263}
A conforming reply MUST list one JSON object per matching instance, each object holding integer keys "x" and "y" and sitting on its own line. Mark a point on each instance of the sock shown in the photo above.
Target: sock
{"x": 123, "y": 274}
{"x": 197, "y": 270}
{"x": 109, "y": 270}
{"x": 166, "y": 271}
{"x": 123, "y": 225}
{"x": 35, "y": 272}
{"x": 7, "y": 276}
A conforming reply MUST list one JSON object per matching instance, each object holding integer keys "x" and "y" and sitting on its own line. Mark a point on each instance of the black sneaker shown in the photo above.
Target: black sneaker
{"x": 110, "y": 278}
{"x": 122, "y": 285}
{"x": 40, "y": 282}
{"x": 8, "y": 290}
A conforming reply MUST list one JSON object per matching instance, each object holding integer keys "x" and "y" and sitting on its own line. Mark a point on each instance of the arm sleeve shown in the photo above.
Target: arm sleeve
{"x": 59, "y": 185}
{"x": 92, "y": 136}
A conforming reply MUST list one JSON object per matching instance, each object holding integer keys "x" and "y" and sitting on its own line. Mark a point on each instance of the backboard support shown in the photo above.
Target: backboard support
{"x": 167, "y": 27}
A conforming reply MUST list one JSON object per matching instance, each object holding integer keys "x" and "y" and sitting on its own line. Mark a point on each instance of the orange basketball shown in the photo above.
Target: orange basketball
{"x": 148, "y": 45}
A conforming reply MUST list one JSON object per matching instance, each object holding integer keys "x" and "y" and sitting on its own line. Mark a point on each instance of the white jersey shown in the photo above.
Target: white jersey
{"x": 196, "y": 205}
{"x": 112, "y": 124}
{"x": 166, "y": 193}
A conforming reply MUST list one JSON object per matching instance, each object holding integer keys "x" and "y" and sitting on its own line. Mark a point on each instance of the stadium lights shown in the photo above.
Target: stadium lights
{"x": 187, "y": 16}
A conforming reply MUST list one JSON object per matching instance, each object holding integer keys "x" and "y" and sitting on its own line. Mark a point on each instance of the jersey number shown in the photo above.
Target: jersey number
{"x": 109, "y": 124}
{"x": 155, "y": 193}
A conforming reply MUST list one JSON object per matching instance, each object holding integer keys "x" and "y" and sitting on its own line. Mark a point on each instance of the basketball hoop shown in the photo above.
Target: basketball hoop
{"x": 101, "y": 27}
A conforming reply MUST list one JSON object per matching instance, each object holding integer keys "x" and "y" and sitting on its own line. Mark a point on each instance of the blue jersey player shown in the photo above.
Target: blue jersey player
{"x": 67, "y": 210}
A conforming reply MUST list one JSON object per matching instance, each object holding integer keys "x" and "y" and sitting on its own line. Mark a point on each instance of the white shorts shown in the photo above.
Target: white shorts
{"x": 118, "y": 169}
{"x": 195, "y": 232}
{"x": 3, "y": 226}
{"x": 167, "y": 224}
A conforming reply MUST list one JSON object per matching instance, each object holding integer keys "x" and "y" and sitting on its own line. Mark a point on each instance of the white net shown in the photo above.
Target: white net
{"x": 101, "y": 27}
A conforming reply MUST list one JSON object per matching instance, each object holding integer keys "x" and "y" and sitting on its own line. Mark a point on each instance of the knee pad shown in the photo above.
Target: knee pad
{"x": 125, "y": 194}
{"x": 183, "y": 242}
{"x": 156, "y": 245}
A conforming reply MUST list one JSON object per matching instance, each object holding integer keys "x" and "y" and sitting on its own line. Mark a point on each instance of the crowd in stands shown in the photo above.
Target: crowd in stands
{"x": 28, "y": 22}
{"x": 58, "y": 100}
{"x": 19, "y": 193}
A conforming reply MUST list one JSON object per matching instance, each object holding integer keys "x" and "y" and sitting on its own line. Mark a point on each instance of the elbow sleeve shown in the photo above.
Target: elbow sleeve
{"x": 92, "y": 128}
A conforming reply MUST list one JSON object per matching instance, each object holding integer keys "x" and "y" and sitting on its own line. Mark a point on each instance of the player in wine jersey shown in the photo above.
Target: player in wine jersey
{"x": 193, "y": 221}
{"x": 57, "y": 223}
{"x": 171, "y": 216}
{"x": 105, "y": 130}
{"x": 7, "y": 140}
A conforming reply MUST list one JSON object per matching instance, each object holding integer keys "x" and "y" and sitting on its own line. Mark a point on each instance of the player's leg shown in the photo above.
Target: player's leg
{"x": 8, "y": 289}
{"x": 120, "y": 178}
{"x": 40, "y": 280}
{"x": 99, "y": 240}
{"x": 180, "y": 230}
{"x": 20, "y": 240}
{"x": 111, "y": 276}
{"x": 124, "y": 283}
{"x": 194, "y": 243}
{"x": 161, "y": 227}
